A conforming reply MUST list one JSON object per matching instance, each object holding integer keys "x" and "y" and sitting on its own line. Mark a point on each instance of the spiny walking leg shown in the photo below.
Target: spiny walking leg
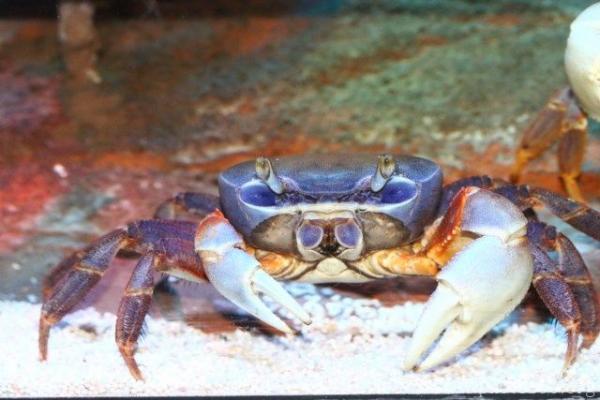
{"x": 133, "y": 309}
{"x": 576, "y": 306}
{"x": 69, "y": 282}
{"x": 85, "y": 271}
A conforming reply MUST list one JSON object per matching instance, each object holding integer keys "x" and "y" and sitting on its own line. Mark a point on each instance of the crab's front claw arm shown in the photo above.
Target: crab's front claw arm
{"x": 480, "y": 283}
{"x": 237, "y": 275}
{"x": 477, "y": 288}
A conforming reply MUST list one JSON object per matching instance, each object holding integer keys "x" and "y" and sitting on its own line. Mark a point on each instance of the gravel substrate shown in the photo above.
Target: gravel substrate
{"x": 353, "y": 346}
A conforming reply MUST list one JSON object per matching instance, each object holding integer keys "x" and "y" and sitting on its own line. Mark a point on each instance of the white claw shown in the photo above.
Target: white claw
{"x": 477, "y": 288}
{"x": 237, "y": 276}
{"x": 457, "y": 337}
{"x": 265, "y": 283}
{"x": 582, "y": 59}
{"x": 442, "y": 308}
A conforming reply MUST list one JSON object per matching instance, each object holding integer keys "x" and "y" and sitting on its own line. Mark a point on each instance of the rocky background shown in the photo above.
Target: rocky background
{"x": 107, "y": 109}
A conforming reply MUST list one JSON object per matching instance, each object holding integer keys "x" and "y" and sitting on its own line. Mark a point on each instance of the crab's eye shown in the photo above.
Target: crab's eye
{"x": 348, "y": 234}
{"x": 258, "y": 194}
{"x": 310, "y": 235}
{"x": 398, "y": 191}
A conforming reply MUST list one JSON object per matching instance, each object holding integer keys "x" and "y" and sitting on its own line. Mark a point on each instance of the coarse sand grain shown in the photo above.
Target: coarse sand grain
{"x": 352, "y": 346}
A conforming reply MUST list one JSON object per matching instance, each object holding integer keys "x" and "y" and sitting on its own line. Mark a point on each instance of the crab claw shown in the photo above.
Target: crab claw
{"x": 238, "y": 277}
{"x": 476, "y": 289}
{"x": 582, "y": 59}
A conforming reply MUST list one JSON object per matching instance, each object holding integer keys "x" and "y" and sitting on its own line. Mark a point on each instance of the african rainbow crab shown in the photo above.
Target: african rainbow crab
{"x": 355, "y": 218}
{"x": 352, "y": 219}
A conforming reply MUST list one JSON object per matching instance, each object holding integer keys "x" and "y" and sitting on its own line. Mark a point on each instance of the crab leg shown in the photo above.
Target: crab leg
{"x": 484, "y": 278}
{"x": 558, "y": 297}
{"x": 573, "y": 268}
{"x": 579, "y": 216}
{"x": 133, "y": 308}
{"x": 198, "y": 204}
{"x": 85, "y": 271}
{"x": 571, "y": 150}
{"x": 571, "y": 271}
{"x": 561, "y": 116}
{"x": 165, "y": 242}
{"x": 237, "y": 275}
{"x": 57, "y": 273}
{"x": 185, "y": 205}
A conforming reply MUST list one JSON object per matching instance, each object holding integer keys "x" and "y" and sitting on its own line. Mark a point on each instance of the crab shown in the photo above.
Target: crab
{"x": 564, "y": 118}
{"x": 351, "y": 218}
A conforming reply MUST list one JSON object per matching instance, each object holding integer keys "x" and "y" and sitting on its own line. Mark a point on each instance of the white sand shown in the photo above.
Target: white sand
{"x": 353, "y": 346}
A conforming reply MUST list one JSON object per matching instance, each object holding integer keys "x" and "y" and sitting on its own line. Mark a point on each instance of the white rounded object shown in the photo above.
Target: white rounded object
{"x": 582, "y": 59}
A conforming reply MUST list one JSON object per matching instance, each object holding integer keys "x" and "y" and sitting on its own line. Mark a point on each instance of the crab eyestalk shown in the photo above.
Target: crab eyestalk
{"x": 265, "y": 172}
{"x": 386, "y": 165}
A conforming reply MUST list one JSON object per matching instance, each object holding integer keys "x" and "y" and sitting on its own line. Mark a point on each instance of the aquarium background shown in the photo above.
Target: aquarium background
{"x": 107, "y": 108}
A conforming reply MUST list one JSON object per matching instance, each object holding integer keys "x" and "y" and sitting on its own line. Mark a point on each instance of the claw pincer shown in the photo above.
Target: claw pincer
{"x": 237, "y": 275}
{"x": 481, "y": 283}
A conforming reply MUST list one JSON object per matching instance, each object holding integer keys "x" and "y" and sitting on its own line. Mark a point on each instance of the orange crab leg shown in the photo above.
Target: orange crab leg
{"x": 401, "y": 262}
{"x": 545, "y": 129}
{"x": 560, "y": 118}
{"x": 570, "y": 157}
